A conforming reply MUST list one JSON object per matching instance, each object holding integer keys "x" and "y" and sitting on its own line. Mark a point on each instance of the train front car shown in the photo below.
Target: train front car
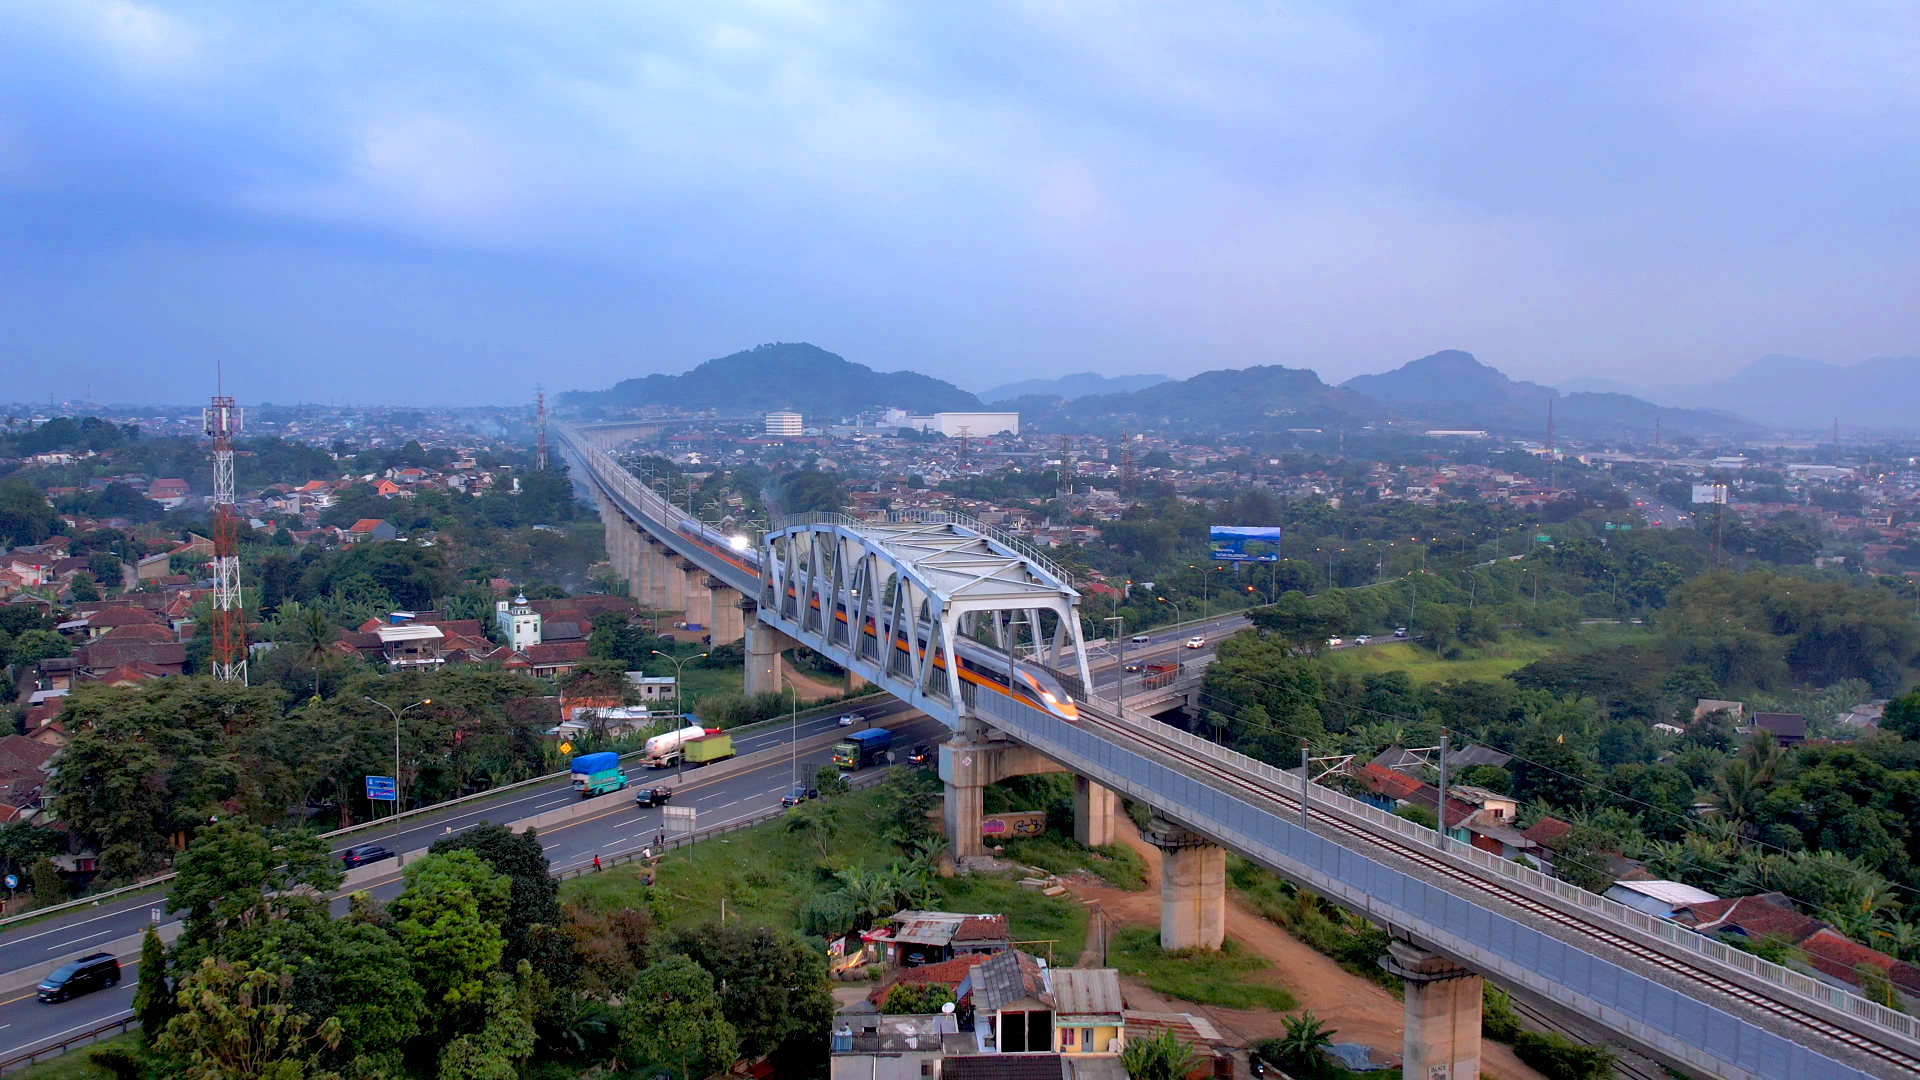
{"x": 1044, "y": 692}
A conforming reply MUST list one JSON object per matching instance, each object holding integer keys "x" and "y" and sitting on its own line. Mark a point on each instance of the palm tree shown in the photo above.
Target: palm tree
{"x": 312, "y": 636}
{"x": 1162, "y": 1057}
{"x": 1302, "y": 1051}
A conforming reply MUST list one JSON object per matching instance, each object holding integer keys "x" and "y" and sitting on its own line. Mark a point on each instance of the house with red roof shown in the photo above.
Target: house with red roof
{"x": 370, "y": 529}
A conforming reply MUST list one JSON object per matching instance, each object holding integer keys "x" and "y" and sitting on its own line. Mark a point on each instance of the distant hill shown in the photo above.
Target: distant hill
{"x": 783, "y": 375}
{"x": 1243, "y": 399}
{"x": 1453, "y": 389}
{"x": 1085, "y": 384}
{"x": 1790, "y": 392}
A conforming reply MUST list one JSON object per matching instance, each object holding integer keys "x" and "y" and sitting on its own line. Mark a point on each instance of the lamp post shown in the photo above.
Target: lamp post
{"x": 1120, "y": 664}
{"x": 793, "y": 734}
{"x": 396, "y": 754}
{"x": 1176, "y": 608}
{"x": 676, "y": 678}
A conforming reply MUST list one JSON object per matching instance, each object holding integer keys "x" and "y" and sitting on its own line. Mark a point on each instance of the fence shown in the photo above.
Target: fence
{"x": 112, "y": 1027}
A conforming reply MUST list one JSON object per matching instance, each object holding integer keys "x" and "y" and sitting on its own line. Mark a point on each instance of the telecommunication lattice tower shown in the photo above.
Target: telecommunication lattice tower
{"x": 221, "y": 421}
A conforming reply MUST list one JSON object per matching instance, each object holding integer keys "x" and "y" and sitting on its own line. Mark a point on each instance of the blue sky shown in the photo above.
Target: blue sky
{"x": 448, "y": 202}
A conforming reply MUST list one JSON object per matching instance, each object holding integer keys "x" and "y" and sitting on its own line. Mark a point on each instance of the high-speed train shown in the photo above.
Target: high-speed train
{"x": 986, "y": 670}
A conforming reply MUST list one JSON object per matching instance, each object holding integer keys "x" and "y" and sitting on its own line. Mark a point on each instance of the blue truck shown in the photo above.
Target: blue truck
{"x": 597, "y": 774}
{"x": 862, "y": 748}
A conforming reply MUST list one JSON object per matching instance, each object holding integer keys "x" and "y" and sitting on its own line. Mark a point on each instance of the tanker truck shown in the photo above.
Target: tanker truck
{"x": 663, "y": 751}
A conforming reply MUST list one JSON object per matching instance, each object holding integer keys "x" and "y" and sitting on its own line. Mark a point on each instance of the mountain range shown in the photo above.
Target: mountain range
{"x": 1085, "y": 384}
{"x": 1790, "y": 392}
{"x": 1448, "y": 389}
{"x": 783, "y": 375}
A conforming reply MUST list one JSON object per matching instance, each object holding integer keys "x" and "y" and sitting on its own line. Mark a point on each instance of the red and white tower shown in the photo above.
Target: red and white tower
{"x": 222, "y": 420}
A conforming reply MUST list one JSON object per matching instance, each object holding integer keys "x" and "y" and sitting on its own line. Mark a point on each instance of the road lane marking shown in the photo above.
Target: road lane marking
{"x": 551, "y": 802}
{"x": 78, "y": 940}
{"x": 56, "y": 1035}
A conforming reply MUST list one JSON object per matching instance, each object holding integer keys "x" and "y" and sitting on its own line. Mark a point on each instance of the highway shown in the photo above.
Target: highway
{"x": 27, "y": 1023}
{"x": 1658, "y": 514}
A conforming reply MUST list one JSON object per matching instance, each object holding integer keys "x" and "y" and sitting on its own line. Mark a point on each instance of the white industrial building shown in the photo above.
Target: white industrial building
{"x": 973, "y": 424}
{"x": 783, "y": 423}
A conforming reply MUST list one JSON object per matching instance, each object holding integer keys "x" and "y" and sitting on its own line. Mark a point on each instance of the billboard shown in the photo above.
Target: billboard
{"x": 1710, "y": 493}
{"x": 1245, "y": 543}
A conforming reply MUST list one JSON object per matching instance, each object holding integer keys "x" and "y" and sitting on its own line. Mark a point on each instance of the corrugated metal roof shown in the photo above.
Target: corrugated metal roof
{"x": 1087, "y": 991}
{"x": 1008, "y": 977}
{"x": 1668, "y": 892}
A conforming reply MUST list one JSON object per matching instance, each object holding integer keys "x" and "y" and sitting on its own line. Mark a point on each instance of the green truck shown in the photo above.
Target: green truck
{"x": 708, "y": 749}
{"x": 597, "y": 774}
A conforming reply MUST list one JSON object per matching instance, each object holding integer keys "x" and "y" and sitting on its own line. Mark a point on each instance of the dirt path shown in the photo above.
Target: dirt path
{"x": 1360, "y": 1011}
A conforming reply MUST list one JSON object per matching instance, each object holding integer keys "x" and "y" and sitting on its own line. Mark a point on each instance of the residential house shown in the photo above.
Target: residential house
{"x": 1090, "y": 1017}
{"x": 1661, "y": 899}
{"x": 370, "y": 529}
{"x": 170, "y": 493}
{"x": 1705, "y": 707}
{"x": 1788, "y": 729}
{"x": 948, "y": 973}
{"x": 23, "y": 770}
{"x": 1012, "y": 1004}
{"x": 1822, "y": 951}
{"x": 869, "y": 1046}
{"x": 911, "y": 938}
{"x": 653, "y": 688}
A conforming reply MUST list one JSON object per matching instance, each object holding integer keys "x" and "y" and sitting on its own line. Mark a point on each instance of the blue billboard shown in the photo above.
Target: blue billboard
{"x": 1245, "y": 543}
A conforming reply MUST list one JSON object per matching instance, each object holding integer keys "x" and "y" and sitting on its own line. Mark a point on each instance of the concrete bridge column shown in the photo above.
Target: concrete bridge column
{"x": 656, "y": 576}
{"x": 1094, "y": 808}
{"x": 1193, "y": 887}
{"x": 725, "y": 623}
{"x": 967, "y": 768}
{"x": 674, "y": 596}
{"x": 696, "y": 605}
{"x": 764, "y": 645}
{"x": 1442, "y": 1036}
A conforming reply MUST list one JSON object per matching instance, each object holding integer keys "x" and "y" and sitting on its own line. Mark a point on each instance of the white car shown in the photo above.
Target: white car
{"x": 1334, "y": 642}
{"x": 1141, "y": 639}
{"x": 1362, "y": 640}
{"x": 1196, "y": 642}
{"x": 847, "y": 720}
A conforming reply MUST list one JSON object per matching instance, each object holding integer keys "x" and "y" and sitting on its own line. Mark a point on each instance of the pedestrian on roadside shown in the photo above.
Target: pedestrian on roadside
{"x": 596, "y": 863}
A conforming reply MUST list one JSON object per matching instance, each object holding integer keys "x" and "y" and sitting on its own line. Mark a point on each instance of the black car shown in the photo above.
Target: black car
{"x": 921, "y": 754}
{"x": 364, "y": 854}
{"x": 800, "y": 793}
{"x": 652, "y": 796}
{"x": 93, "y": 972}
{"x": 1132, "y": 665}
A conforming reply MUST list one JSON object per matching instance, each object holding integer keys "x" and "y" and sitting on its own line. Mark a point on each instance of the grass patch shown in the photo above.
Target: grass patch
{"x": 1351, "y": 941}
{"x": 74, "y": 1064}
{"x": 1232, "y": 978}
{"x": 1511, "y": 653}
{"x": 766, "y": 875}
{"x": 1116, "y": 864}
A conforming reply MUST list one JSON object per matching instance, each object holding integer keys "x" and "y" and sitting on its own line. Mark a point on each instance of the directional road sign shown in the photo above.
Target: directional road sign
{"x": 380, "y": 789}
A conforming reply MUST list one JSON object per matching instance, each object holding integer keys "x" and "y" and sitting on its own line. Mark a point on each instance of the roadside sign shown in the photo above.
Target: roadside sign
{"x": 1543, "y": 538}
{"x": 380, "y": 789}
{"x": 566, "y": 748}
{"x": 677, "y": 819}
{"x": 13, "y": 881}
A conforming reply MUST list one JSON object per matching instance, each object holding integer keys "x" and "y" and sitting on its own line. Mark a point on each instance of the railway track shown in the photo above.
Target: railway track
{"x": 1428, "y": 861}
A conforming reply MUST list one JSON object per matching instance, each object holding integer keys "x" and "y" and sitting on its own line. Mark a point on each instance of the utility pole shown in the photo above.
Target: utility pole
{"x": 220, "y": 420}
{"x": 540, "y": 424}
{"x": 1129, "y": 479}
{"x": 1441, "y": 807}
{"x": 1553, "y": 477}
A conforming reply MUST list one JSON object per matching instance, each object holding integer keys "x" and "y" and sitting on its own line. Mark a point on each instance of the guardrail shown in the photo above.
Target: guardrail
{"x": 114, "y": 1027}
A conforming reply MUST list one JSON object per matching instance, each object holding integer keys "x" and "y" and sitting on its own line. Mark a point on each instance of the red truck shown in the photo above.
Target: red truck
{"x": 1154, "y": 676}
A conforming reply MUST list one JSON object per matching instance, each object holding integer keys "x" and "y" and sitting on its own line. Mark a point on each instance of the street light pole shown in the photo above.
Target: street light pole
{"x": 396, "y": 754}
{"x": 677, "y": 707}
{"x": 1176, "y": 608}
{"x": 793, "y": 735}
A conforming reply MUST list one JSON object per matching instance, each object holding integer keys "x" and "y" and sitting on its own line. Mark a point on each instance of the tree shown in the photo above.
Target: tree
{"x": 505, "y": 1041}
{"x": 234, "y": 1024}
{"x": 673, "y": 1017}
{"x": 33, "y": 646}
{"x": 1302, "y": 1050}
{"x": 774, "y": 986}
{"x": 153, "y": 1001}
{"x": 911, "y": 999}
{"x": 1902, "y": 716}
{"x": 819, "y": 817}
{"x": 361, "y": 974}
{"x": 1582, "y": 855}
{"x": 237, "y": 876}
{"x": 84, "y": 587}
{"x": 448, "y": 919}
{"x": 1160, "y": 1057}
{"x": 828, "y": 781}
{"x": 534, "y": 899}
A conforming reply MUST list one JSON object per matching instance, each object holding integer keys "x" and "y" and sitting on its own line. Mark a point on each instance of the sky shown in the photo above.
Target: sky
{"x": 448, "y": 203}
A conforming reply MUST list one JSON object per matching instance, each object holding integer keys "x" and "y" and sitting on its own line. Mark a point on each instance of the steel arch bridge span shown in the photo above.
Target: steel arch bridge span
{"x": 904, "y": 602}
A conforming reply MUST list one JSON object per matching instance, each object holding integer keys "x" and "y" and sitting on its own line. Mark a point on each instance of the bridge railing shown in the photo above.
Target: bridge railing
{"x": 1480, "y": 936}
{"x": 1414, "y": 834}
{"x": 1020, "y": 547}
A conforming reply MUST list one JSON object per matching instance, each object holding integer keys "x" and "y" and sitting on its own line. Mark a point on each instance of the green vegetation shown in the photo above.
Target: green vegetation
{"x": 1116, "y": 864}
{"x": 1503, "y": 657}
{"x": 1232, "y": 978}
{"x": 1157, "y": 1057}
{"x": 1560, "y": 1058}
{"x": 79, "y": 1064}
{"x": 1352, "y": 941}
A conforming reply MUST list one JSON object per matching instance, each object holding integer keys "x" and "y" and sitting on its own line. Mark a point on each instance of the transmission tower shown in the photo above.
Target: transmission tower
{"x": 540, "y": 423}
{"x": 221, "y": 420}
{"x": 1129, "y": 479}
{"x": 1066, "y": 466}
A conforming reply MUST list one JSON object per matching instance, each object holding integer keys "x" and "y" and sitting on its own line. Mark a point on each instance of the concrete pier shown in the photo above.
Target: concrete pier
{"x": 726, "y": 624}
{"x": 1193, "y": 887}
{"x": 1094, "y": 808}
{"x": 764, "y": 645}
{"x": 1442, "y": 1037}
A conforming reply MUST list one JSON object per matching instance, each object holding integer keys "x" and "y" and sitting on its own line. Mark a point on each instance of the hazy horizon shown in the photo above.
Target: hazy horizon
{"x": 451, "y": 203}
